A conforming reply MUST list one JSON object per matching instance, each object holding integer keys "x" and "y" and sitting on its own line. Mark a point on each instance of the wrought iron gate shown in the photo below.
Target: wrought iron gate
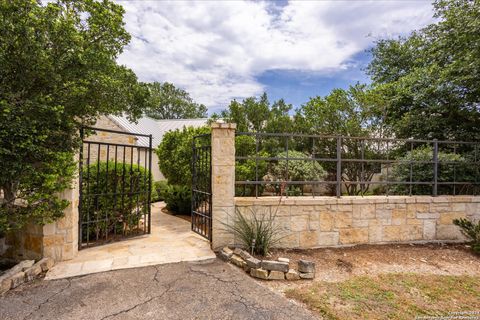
{"x": 115, "y": 186}
{"x": 202, "y": 186}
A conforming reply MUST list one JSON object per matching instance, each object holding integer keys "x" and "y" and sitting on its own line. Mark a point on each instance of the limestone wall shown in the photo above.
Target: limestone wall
{"x": 306, "y": 222}
{"x": 57, "y": 240}
{"x": 108, "y": 137}
{"x": 132, "y": 154}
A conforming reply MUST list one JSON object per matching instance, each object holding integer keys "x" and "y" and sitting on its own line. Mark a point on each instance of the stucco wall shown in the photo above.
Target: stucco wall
{"x": 306, "y": 222}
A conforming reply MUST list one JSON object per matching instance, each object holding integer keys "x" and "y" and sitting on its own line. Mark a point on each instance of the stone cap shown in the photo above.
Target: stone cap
{"x": 320, "y": 200}
{"x": 223, "y": 125}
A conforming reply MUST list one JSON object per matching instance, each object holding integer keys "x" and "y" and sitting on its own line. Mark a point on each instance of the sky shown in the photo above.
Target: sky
{"x": 224, "y": 50}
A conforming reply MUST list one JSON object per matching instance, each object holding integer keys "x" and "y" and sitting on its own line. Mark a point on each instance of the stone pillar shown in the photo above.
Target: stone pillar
{"x": 223, "y": 182}
{"x": 57, "y": 240}
{"x": 60, "y": 238}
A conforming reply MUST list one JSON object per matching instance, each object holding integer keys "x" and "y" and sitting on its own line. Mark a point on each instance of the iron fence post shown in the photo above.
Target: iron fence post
{"x": 192, "y": 166}
{"x": 80, "y": 183}
{"x": 150, "y": 137}
{"x": 256, "y": 165}
{"x": 339, "y": 166}
{"x": 435, "y": 167}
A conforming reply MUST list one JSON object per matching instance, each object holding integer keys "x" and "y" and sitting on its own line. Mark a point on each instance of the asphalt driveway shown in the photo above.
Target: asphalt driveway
{"x": 208, "y": 290}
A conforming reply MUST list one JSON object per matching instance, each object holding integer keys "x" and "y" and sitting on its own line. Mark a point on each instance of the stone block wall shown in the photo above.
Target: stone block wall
{"x": 140, "y": 155}
{"x": 306, "y": 222}
{"x": 108, "y": 137}
{"x": 57, "y": 240}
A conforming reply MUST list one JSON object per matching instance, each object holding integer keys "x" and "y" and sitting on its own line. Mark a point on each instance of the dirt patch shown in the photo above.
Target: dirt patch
{"x": 392, "y": 296}
{"x": 340, "y": 264}
{"x": 385, "y": 281}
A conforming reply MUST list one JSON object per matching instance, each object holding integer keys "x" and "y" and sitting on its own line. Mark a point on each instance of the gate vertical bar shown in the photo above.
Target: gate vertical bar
{"x": 192, "y": 204}
{"x": 435, "y": 167}
{"x": 150, "y": 184}
{"x": 339, "y": 166}
{"x": 80, "y": 187}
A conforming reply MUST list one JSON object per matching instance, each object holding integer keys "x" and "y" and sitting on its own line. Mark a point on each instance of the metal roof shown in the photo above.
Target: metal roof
{"x": 157, "y": 128}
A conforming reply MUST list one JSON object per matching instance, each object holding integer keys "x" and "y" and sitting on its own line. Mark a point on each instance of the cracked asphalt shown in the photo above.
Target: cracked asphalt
{"x": 208, "y": 290}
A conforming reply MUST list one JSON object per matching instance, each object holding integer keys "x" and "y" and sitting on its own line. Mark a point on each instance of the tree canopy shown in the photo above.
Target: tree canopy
{"x": 351, "y": 112}
{"x": 58, "y": 72}
{"x": 431, "y": 79}
{"x": 258, "y": 115}
{"x": 165, "y": 101}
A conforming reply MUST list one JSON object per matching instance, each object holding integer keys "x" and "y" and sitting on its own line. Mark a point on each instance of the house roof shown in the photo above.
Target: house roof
{"x": 157, "y": 128}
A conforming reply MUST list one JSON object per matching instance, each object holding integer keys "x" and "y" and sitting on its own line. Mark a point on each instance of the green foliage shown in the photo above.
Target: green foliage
{"x": 471, "y": 230}
{"x": 258, "y": 115}
{"x": 175, "y": 154}
{"x": 298, "y": 170}
{"x": 158, "y": 190}
{"x": 248, "y": 169}
{"x": 168, "y": 102}
{"x": 422, "y": 171}
{"x": 430, "y": 79}
{"x": 118, "y": 213}
{"x": 58, "y": 71}
{"x": 178, "y": 198}
{"x": 350, "y": 113}
{"x": 255, "y": 230}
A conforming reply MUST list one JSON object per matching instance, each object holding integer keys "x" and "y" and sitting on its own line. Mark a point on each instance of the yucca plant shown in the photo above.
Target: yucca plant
{"x": 256, "y": 231}
{"x": 471, "y": 230}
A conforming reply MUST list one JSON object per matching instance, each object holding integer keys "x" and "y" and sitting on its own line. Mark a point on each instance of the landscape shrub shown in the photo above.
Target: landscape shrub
{"x": 115, "y": 212}
{"x": 257, "y": 231}
{"x": 248, "y": 169}
{"x": 178, "y": 199}
{"x": 298, "y": 170}
{"x": 423, "y": 172}
{"x": 175, "y": 154}
{"x": 471, "y": 230}
{"x": 158, "y": 190}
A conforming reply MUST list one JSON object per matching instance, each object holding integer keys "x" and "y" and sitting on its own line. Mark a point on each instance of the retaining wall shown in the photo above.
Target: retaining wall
{"x": 306, "y": 222}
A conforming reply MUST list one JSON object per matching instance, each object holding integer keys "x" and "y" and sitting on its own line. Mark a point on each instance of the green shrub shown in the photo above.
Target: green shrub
{"x": 248, "y": 169}
{"x": 298, "y": 170}
{"x": 175, "y": 154}
{"x": 423, "y": 172}
{"x": 69, "y": 77}
{"x": 471, "y": 230}
{"x": 115, "y": 213}
{"x": 255, "y": 230}
{"x": 158, "y": 190}
{"x": 178, "y": 198}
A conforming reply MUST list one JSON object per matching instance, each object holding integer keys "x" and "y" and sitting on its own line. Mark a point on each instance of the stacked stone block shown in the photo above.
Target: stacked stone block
{"x": 326, "y": 221}
{"x": 268, "y": 269}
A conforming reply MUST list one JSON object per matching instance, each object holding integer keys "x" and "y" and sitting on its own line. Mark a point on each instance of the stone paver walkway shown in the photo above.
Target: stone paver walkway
{"x": 185, "y": 290}
{"x": 171, "y": 240}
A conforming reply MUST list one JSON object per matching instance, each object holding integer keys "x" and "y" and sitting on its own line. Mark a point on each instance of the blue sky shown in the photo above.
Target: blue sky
{"x": 296, "y": 87}
{"x": 221, "y": 50}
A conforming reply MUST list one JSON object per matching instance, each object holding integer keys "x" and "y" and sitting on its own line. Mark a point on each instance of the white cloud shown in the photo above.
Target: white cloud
{"x": 215, "y": 49}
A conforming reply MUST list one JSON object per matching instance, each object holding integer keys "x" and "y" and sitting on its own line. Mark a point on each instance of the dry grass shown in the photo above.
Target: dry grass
{"x": 390, "y": 296}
